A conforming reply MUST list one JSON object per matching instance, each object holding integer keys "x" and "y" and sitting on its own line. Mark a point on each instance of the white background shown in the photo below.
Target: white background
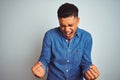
{"x": 24, "y": 22}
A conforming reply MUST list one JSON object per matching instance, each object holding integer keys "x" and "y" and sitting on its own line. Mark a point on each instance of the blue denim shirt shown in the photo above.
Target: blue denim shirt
{"x": 66, "y": 60}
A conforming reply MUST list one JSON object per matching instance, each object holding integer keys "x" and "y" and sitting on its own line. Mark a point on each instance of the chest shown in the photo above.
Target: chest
{"x": 64, "y": 51}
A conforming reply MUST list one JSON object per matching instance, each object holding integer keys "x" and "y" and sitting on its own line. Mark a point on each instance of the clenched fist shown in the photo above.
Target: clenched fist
{"x": 38, "y": 70}
{"x": 92, "y": 73}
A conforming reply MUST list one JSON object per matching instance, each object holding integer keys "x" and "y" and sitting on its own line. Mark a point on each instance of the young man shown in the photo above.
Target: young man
{"x": 66, "y": 50}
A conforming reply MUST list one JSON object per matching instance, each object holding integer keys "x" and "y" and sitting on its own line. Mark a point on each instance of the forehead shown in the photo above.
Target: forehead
{"x": 67, "y": 20}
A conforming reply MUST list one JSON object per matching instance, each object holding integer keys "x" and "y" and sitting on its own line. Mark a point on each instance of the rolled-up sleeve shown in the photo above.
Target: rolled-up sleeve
{"x": 46, "y": 50}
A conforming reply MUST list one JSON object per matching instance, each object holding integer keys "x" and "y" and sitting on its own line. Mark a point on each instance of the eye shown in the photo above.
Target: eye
{"x": 70, "y": 25}
{"x": 62, "y": 26}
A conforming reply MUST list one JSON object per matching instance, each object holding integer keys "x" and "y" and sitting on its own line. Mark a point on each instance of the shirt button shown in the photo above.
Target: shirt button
{"x": 67, "y": 70}
{"x": 66, "y": 40}
{"x": 68, "y": 61}
{"x": 68, "y": 50}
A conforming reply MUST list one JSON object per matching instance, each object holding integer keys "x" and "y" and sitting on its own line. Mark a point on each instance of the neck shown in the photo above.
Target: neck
{"x": 68, "y": 40}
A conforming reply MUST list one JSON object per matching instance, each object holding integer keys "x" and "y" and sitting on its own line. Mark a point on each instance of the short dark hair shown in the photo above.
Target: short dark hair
{"x": 66, "y": 10}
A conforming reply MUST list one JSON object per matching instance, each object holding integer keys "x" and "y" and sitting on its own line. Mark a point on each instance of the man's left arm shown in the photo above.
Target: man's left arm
{"x": 89, "y": 70}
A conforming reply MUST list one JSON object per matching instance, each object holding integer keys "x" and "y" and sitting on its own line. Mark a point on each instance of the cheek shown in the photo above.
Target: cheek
{"x": 74, "y": 29}
{"x": 62, "y": 29}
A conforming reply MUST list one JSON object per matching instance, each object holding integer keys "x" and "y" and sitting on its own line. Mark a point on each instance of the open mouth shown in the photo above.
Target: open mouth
{"x": 68, "y": 34}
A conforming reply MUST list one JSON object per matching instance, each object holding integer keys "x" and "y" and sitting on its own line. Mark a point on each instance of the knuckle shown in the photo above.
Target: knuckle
{"x": 96, "y": 76}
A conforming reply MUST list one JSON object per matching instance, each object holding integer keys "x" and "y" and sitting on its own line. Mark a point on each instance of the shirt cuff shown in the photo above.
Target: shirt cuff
{"x": 86, "y": 68}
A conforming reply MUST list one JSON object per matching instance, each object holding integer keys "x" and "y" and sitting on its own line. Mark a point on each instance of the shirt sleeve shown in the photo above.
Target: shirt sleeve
{"x": 86, "y": 57}
{"x": 46, "y": 51}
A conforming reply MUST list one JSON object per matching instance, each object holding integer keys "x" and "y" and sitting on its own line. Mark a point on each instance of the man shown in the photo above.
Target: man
{"x": 66, "y": 50}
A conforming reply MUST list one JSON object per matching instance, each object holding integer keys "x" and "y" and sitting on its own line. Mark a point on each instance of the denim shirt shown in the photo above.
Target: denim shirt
{"x": 66, "y": 60}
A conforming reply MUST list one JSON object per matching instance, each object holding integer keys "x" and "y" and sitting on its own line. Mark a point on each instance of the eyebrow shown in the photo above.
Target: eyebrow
{"x": 70, "y": 24}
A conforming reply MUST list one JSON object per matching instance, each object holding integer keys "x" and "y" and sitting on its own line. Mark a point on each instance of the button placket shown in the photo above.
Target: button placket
{"x": 68, "y": 50}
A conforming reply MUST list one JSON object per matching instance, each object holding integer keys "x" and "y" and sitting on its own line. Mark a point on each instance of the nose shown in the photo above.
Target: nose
{"x": 66, "y": 29}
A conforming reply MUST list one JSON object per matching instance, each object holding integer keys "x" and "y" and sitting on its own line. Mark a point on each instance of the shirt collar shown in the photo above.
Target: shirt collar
{"x": 77, "y": 32}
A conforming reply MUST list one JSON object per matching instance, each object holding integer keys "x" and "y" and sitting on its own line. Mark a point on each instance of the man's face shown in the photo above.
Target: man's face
{"x": 68, "y": 26}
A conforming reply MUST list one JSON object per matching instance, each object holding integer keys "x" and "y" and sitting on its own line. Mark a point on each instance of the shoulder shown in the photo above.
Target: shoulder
{"x": 83, "y": 33}
{"x": 53, "y": 32}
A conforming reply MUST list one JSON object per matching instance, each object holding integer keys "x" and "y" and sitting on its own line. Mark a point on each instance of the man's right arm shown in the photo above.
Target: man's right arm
{"x": 40, "y": 67}
{"x": 38, "y": 70}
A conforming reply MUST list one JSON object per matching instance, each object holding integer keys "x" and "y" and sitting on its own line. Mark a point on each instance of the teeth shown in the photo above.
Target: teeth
{"x": 68, "y": 33}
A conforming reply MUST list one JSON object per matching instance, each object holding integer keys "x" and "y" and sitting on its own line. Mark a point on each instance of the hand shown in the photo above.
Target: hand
{"x": 38, "y": 70}
{"x": 92, "y": 73}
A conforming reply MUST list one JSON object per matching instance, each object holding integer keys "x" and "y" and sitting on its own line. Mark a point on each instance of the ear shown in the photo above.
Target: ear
{"x": 78, "y": 20}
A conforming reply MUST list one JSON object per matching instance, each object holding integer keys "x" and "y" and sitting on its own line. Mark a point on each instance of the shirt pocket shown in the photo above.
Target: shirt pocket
{"x": 78, "y": 56}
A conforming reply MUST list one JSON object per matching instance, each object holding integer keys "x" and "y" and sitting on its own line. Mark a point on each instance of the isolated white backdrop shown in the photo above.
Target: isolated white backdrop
{"x": 24, "y": 22}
